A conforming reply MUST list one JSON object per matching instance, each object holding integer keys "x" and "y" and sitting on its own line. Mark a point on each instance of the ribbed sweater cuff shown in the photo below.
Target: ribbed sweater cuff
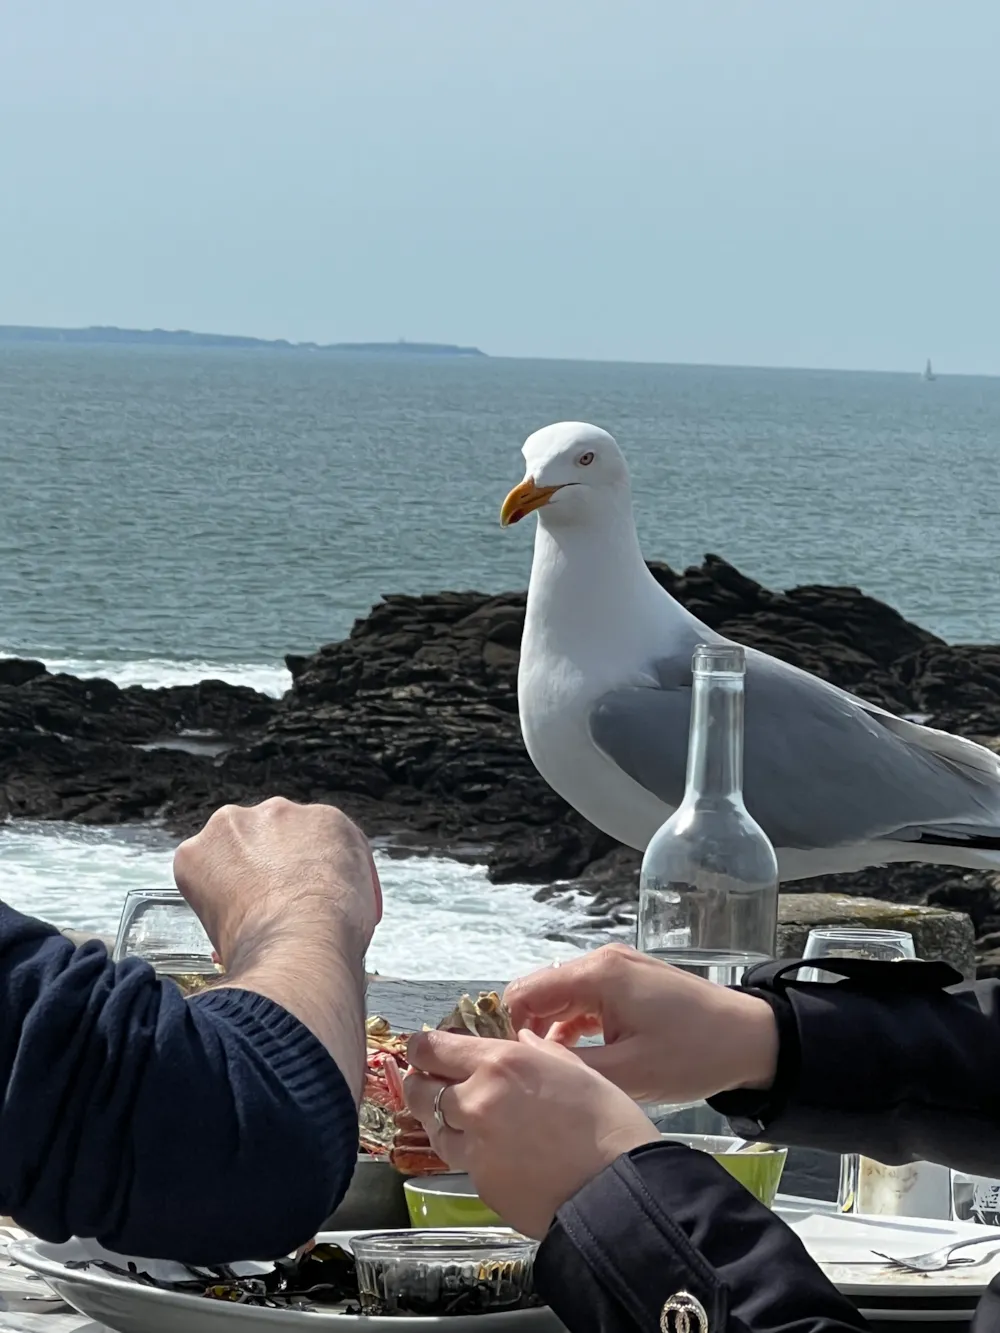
{"x": 304, "y": 1066}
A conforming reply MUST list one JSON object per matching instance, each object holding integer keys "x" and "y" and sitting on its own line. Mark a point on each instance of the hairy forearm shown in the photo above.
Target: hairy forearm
{"x": 227, "y": 1098}
{"x": 318, "y": 976}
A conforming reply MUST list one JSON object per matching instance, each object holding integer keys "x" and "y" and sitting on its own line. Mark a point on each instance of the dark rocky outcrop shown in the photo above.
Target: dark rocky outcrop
{"x": 410, "y": 723}
{"x": 33, "y": 699}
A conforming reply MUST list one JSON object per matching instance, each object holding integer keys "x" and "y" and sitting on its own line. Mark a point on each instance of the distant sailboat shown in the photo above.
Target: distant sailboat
{"x": 928, "y": 371}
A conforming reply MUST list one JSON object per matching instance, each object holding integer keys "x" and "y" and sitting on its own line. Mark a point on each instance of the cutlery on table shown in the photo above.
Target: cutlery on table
{"x": 936, "y": 1260}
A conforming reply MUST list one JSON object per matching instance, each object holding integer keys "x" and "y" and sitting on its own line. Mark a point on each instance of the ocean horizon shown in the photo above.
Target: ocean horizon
{"x": 158, "y": 338}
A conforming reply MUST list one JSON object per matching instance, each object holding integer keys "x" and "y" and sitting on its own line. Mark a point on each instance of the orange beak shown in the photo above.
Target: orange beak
{"x": 523, "y": 499}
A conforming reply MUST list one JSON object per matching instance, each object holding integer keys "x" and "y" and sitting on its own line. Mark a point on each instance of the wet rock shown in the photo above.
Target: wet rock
{"x": 613, "y": 878}
{"x": 19, "y": 670}
{"x": 978, "y": 895}
{"x": 96, "y": 709}
{"x": 957, "y": 684}
{"x": 902, "y": 883}
{"x": 44, "y": 776}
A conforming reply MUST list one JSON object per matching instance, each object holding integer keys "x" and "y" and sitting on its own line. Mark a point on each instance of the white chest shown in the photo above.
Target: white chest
{"x": 595, "y": 622}
{"x": 555, "y": 714}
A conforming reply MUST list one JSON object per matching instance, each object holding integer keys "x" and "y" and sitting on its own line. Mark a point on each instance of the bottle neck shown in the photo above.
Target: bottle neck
{"x": 715, "y": 749}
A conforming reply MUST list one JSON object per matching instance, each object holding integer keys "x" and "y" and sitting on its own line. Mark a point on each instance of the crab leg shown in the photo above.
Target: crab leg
{"x": 387, "y": 1126}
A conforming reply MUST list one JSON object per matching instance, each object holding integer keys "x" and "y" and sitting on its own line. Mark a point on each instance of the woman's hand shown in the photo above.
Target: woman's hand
{"x": 528, "y": 1120}
{"x": 669, "y": 1036}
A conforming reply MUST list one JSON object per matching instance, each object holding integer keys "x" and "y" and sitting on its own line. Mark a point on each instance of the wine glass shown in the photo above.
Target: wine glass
{"x": 885, "y": 946}
{"x": 158, "y": 925}
{"x": 914, "y": 1189}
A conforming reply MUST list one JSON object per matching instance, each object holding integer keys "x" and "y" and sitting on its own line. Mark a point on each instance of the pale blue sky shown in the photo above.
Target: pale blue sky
{"x": 777, "y": 182}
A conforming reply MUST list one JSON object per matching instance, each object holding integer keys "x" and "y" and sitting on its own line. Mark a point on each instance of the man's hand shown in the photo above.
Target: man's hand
{"x": 289, "y": 896}
{"x": 527, "y": 1119}
{"x": 669, "y": 1036}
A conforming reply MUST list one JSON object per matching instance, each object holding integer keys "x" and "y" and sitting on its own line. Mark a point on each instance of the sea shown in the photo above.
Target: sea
{"x": 172, "y": 514}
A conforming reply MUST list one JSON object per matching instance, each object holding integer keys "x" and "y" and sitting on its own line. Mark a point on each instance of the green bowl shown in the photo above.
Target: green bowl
{"x": 450, "y": 1200}
{"x": 760, "y": 1172}
{"x": 447, "y": 1201}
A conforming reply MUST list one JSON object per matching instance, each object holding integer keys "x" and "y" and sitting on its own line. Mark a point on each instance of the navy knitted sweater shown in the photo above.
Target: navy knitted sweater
{"x": 203, "y": 1130}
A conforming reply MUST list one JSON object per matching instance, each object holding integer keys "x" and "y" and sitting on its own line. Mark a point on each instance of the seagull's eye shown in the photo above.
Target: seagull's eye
{"x": 586, "y": 459}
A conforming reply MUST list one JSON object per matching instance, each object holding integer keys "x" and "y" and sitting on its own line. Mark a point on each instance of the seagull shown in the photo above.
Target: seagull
{"x": 604, "y": 696}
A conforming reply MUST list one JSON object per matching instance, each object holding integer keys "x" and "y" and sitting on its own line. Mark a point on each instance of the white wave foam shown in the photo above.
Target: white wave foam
{"x": 266, "y": 677}
{"x": 444, "y": 920}
{"x": 441, "y": 919}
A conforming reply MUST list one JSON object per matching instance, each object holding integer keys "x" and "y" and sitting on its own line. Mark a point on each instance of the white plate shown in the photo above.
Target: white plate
{"x": 131, "y": 1308}
{"x": 842, "y": 1245}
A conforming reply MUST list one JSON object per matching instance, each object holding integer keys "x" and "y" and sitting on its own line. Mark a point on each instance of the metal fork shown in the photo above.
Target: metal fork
{"x": 935, "y": 1260}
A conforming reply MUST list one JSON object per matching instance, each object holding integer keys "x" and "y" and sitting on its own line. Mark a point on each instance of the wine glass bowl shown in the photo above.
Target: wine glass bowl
{"x": 158, "y": 925}
{"x": 887, "y": 946}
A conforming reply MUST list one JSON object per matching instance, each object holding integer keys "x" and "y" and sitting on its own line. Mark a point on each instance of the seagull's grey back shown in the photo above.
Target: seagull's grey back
{"x": 821, "y": 769}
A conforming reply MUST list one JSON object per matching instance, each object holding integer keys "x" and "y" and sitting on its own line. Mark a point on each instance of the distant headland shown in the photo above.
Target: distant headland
{"x": 105, "y": 335}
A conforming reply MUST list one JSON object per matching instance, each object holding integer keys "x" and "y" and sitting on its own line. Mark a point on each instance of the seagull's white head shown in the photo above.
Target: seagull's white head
{"x": 571, "y": 469}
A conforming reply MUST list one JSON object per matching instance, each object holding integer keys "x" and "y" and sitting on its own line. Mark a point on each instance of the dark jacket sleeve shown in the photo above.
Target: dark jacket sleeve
{"x": 667, "y": 1219}
{"x": 894, "y": 1061}
{"x": 205, "y": 1130}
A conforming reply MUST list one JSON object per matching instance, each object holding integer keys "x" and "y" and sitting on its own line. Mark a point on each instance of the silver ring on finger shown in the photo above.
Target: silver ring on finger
{"x": 439, "y": 1119}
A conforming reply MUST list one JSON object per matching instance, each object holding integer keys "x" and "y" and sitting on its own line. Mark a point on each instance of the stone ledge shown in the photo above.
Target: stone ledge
{"x": 937, "y": 932}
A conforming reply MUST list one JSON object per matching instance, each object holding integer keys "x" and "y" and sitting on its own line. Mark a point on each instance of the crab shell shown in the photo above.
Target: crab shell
{"x": 485, "y": 1017}
{"x": 387, "y": 1128}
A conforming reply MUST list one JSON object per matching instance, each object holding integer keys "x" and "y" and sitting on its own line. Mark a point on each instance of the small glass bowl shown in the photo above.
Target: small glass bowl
{"x": 447, "y": 1272}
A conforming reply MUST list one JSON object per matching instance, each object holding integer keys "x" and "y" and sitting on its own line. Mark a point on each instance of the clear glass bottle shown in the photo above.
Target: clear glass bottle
{"x": 708, "y": 888}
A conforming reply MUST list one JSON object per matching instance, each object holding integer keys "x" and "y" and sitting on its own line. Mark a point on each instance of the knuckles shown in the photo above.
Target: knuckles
{"x": 273, "y": 807}
{"x": 611, "y": 959}
{"x": 502, "y": 1071}
{"x": 608, "y": 960}
{"x": 418, "y": 1048}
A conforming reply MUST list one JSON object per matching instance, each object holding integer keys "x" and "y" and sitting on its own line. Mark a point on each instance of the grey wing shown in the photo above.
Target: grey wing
{"x": 821, "y": 769}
